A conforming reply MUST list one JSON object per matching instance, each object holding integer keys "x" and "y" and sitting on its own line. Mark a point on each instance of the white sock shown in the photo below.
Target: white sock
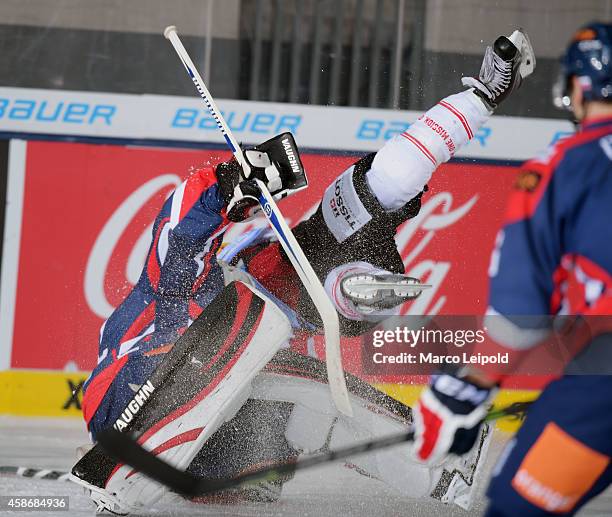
{"x": 405, "y": 163}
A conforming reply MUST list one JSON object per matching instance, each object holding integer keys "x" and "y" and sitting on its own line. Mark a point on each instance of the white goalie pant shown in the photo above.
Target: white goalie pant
{"x": 315, "y": 423}
{"x": 404, "y": 165}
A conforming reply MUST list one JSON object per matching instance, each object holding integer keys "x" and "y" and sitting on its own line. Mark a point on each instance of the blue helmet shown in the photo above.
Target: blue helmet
{"x": 589, "y": 58}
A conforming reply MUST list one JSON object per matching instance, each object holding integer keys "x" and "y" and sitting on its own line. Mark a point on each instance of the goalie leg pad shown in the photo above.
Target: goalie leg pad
{"x": 202, "y": 382}
{"x": 254, "y": 437}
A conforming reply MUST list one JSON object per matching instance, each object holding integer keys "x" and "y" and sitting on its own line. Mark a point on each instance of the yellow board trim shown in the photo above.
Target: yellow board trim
{"x": 41, "y": 393}
{"x": 52, "y": 393}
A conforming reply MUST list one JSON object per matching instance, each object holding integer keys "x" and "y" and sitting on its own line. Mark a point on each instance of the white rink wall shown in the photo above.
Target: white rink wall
{"x": 174, "y": 120}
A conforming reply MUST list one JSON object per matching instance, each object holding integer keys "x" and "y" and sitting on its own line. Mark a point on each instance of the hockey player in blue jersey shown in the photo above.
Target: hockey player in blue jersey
{"x": 243, "y": 324}
{"x": 552, "y": 257}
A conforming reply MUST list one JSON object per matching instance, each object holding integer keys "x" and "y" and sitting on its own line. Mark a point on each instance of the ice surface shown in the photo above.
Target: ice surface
{"x": 327, "y": 491}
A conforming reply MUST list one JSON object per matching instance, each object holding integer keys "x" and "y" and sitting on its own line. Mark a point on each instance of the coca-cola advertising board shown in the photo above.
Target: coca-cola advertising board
{"x": 85, "y": 226}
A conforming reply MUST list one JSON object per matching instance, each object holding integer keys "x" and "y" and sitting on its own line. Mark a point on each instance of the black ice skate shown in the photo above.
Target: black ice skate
{"x": 504, "y": 67}
{"x": 371, "y": 293}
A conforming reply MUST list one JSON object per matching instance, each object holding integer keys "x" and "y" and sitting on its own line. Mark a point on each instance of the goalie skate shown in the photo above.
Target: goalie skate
{"x": 505, "y": 65}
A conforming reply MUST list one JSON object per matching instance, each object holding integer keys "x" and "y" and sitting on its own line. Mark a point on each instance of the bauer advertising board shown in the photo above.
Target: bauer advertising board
{"x": 81, "y": 215}
{"x": 173, "y": 119}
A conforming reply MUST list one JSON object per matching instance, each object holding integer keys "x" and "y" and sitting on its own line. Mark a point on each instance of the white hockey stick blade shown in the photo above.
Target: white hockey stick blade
{"x": 35, "y": 473}
{"x": 326, "y": 309}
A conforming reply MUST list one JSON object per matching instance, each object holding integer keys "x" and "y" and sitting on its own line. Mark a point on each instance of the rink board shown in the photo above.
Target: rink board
{"x": 105, "y": 163}
{"x": 175, "y": 120}
{"x": 41, "y": 393}
{"x": 67, "y": 268}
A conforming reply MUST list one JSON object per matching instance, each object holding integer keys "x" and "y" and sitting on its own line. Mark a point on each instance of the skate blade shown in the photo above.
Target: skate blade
{"x": 388, "y": 285}
{"x": 366, "y": 290}
{"x": 105, "y": 503}
{"x": 521, "y": 41}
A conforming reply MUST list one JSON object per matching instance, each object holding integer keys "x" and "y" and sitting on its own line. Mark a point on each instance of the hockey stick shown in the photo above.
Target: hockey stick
{"x": 25, "y": 472}
{"x": 126, "y": 450}
{"x": 293, "y": 250}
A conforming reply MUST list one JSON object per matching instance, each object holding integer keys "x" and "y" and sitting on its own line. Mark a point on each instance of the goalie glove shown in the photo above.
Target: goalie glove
{"x": 276, "y": 163}
{"x": 244, "y": 201}
{"x": 448, "y": 417}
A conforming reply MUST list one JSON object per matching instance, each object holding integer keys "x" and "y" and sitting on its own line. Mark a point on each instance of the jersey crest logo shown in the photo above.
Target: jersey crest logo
{"x": 528, "y": 180}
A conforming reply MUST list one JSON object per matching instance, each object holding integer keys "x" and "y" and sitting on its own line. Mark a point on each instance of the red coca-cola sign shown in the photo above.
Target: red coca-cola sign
{"x": 85, "y": 231}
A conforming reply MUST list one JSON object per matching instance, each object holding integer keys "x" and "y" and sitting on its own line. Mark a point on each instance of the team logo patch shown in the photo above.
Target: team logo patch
{"x": 528, "y": 180}
{"x": 558, "y": 471}
{"x": 585, "y": 34}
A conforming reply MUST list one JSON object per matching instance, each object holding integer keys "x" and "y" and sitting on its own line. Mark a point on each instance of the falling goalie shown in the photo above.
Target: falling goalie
{"x": 205, "y": 336}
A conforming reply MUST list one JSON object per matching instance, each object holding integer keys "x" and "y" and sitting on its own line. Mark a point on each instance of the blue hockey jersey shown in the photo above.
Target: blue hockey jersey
{"x": 554, "y": 253}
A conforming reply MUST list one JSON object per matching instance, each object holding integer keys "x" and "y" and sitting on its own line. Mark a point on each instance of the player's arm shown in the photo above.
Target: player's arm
{"x": 191, "y": 219}
{"x": 450, "y": 412}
